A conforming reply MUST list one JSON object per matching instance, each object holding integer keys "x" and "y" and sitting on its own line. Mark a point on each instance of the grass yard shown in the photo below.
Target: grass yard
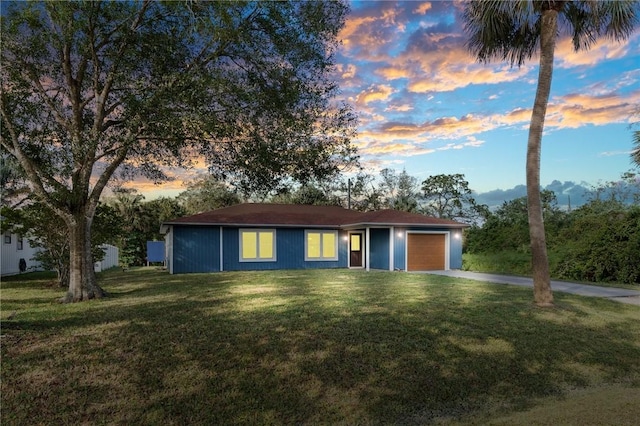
{"x": 313, "y": 347}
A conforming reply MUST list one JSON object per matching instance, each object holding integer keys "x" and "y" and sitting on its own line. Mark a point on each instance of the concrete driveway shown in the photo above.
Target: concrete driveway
{"x": 631, "y": 297}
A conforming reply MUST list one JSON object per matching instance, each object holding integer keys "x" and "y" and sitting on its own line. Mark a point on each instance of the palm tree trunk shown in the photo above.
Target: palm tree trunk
{"x": 542, "y": 293}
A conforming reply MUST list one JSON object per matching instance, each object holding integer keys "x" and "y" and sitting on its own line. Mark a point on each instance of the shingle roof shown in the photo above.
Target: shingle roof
{"x": 396, "y": 217}
{"x": 257, "y": 214}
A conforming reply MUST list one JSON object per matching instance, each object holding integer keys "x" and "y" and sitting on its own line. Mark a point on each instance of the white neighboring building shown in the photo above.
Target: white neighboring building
{"x": 111, "y": 258}
{"x": 15, "y": 247}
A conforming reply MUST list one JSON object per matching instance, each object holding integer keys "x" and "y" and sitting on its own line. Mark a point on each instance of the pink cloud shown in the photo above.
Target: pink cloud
{"x": 422, "y": 8}
{"x": 374, "y": 93}
{"x": 603, "y": 50}
{"x": 570, "y": 111}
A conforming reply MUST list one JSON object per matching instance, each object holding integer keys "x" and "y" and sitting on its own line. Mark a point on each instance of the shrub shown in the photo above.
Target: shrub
{"x": 602, "y": 244}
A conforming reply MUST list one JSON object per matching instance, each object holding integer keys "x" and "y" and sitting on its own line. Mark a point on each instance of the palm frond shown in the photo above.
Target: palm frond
{"x": 510, "y": 30}
{"x": 589, "y": 20}
{"x": 621, "y": 17}
{"x": 505, "y": 30}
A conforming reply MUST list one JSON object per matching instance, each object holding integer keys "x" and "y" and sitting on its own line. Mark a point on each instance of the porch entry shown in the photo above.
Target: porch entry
{"x": 356, "y": 250}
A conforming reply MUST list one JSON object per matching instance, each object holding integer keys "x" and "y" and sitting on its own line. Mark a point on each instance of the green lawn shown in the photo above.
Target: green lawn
{"x": 309, "y": 347}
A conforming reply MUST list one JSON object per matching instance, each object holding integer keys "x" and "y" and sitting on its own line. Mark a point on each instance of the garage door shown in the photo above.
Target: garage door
{"x": 425, "y": 252}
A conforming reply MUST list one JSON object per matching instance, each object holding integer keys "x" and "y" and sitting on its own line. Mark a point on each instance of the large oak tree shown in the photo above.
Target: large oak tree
{"x": 96, "y": 89}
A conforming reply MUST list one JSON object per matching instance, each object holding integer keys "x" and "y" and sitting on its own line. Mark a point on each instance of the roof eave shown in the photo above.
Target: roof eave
{"x": 400, "y": 224}
{"x": 253, "y": 225}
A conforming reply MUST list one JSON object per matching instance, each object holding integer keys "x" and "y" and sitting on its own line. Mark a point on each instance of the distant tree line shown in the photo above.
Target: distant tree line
{"x": 598, "y": 241}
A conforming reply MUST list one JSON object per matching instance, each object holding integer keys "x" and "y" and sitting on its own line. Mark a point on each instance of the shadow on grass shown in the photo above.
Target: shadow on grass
{"x": 307, "y": 347}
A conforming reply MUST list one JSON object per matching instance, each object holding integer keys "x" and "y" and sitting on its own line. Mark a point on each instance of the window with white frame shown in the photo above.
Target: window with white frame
{"x": 20, "y": 243}
{"x": 7, "y": 238}
{"x": 257, "y": 245}
{"x": 320, "y": 245}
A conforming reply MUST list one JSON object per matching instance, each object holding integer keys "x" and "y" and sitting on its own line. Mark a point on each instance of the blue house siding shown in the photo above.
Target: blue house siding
{"x": 379, "y": 248}
{"x": 399, "y": 248}
{"x": 455, "y": 249}
{"x": 290, "y": 243}
{"x": 196, "y": 249}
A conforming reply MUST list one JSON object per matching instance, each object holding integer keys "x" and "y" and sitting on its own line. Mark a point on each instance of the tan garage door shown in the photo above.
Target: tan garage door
{"x": 425, "y": 252}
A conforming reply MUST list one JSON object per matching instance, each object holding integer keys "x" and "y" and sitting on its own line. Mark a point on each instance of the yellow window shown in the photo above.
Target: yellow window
{"x": 266, "y": 245}
{"x": 249, "y": 245}
{"x": 329, "y": 245}
{"x": 355, "y": 242}
{"x": 313, "y": 244}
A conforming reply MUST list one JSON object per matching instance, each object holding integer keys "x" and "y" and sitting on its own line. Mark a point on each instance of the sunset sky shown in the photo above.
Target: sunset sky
{"x": 426, "y": 105}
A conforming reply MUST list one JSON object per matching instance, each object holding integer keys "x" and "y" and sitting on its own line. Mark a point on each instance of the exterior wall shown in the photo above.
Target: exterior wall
{"x": 290, "y": 248}
{"x": 11, "y": 255}
{"x": 379, "y": 248}
{"x": 168, "y": 249}
{"x": 195, "y": 249}
{"x": 155, "y": 251}
{"x": 399, "y": 258}
{"x": 455, "y": 249}
{"x": 110, "y": 260}
{"x": 454, "y": 237}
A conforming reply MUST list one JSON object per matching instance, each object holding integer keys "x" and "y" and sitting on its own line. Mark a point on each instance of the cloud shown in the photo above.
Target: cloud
{"x": 400, "y": 108}
{"x": 374, "y": 93}
{"x": 346, "y": 71}
{"x": 393, "y": 73}
{"x": 570, "y": 111}
{"x": 614, "y": 153}
{"x": 454, "y": 69}
{"x": 603, "y": 50}
{"x": 368, "y": 31}
{"x": 496, "y": 197}
{"x": 566, "y": 192}
{"x": 435, "y": 59}
{"x": 407, "y": 139}
{"x": 374, "y": 165}
{"x": 422, "y": 8}
{"x": 577, "y": 110}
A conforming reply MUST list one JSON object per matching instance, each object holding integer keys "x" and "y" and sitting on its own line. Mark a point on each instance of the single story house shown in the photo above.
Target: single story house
{"x": 281, "y": 236}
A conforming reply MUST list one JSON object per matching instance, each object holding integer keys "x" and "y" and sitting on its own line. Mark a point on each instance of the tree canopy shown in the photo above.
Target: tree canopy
{"x": 449, "y": 196}
{"x": 91, "y": 90}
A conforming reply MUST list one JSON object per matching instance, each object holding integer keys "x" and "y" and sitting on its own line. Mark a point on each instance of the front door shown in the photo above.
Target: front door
{"x": 356, "y": 250}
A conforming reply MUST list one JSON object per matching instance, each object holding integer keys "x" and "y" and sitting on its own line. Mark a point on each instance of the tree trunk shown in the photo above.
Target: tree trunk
{"x": 82, "y": 281}
{"x": 63, "y": 274}
{"x": 542, "y": 293}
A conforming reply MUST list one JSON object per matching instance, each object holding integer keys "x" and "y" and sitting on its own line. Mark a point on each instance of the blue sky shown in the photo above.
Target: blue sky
{"x": 427, "y": 106}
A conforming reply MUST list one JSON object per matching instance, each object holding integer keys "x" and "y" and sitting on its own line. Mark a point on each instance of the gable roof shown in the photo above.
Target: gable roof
{"x": 257, "y": 214}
